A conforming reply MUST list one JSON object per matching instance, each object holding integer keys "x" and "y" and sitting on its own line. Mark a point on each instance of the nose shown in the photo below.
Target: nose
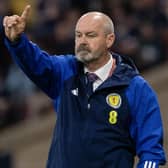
{"x": 82, "y": 40}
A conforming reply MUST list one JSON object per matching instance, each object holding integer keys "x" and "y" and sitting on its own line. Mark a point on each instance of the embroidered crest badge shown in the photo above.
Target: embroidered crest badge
{"x": 114, "y": 100}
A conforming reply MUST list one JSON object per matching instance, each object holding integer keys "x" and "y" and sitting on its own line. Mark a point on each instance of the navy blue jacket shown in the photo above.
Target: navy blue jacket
{"x": 106, "y": 129}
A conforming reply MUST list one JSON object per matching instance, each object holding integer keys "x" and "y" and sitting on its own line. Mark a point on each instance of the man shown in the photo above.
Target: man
{"x": 100, "y": 127}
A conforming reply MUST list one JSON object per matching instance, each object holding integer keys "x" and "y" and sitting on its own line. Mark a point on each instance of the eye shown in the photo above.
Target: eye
{"x": 78, "y": 35}
{"x": 91, "y": 35}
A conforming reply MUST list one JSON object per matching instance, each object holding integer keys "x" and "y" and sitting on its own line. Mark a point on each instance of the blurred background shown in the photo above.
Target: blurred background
{"x": 26, "y": 114}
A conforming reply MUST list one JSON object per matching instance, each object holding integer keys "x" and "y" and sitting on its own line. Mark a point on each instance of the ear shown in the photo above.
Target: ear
{"x": 110, "y": 40}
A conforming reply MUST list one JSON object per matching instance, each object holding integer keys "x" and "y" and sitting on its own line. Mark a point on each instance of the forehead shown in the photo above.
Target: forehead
{"x": 90, "y": 23}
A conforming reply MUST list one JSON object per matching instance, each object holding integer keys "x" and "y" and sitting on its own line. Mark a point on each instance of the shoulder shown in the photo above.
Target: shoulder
{"x": 139, "y": 82}
{"x": 140, "y": 87}
{"x": 139, "y": 90}
{"x": 64, "y": 60}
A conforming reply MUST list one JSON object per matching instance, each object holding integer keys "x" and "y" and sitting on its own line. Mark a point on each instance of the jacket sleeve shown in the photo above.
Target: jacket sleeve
{"x": 146, "y": 127}
{"x": 46, "y": 71}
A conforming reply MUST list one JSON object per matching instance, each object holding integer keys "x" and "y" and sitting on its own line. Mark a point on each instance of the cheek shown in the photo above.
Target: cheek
{"x": 76, "y": 45}
{"x": 99, "y": 45}
{"x": 76, "y": 42}
{"x": 94, "y": 44}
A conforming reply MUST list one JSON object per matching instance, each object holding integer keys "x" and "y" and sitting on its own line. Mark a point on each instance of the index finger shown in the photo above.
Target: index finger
{"x": 26, "y": 12}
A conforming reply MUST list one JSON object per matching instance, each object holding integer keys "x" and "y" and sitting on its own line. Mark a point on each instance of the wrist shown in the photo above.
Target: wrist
{"x": 14, "y": 41}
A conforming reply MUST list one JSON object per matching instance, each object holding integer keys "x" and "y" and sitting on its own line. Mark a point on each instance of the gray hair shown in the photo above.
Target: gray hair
{"x": 108, "y": 23}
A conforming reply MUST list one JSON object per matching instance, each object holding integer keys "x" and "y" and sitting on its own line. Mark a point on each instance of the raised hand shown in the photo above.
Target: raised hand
{"x": 15, "y": 25}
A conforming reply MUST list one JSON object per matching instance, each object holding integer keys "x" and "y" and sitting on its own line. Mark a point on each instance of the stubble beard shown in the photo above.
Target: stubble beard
{"x": 86, "y": 56}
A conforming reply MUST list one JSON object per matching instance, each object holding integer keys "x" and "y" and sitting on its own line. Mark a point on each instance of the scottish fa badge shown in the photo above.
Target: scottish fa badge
{"x": 114, "y": 100}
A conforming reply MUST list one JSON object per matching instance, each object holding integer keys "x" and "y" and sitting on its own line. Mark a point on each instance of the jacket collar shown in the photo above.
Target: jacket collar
{"x": 125, "y": 70}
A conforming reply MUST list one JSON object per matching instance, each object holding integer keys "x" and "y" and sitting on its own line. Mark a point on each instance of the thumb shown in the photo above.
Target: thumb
{"x": 26, "y": 12}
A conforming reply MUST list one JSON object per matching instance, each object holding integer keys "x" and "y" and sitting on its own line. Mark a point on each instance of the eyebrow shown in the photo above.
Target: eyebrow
{"x": 89, "y": 32}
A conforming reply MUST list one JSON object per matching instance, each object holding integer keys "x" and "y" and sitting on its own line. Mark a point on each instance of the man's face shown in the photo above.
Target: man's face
{"x": 90, "y": 39}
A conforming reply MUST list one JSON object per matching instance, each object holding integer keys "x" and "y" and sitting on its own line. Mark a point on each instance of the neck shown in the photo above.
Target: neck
{"x": 98, "y": 63}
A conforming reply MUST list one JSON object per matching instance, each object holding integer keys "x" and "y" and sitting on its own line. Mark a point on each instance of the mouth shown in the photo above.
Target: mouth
{"x": 83, "y": 53}
{"x": 83, "y": 49}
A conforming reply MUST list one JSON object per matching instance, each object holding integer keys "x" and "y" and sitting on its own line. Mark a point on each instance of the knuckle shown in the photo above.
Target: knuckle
{"x": 16, "y": 16}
